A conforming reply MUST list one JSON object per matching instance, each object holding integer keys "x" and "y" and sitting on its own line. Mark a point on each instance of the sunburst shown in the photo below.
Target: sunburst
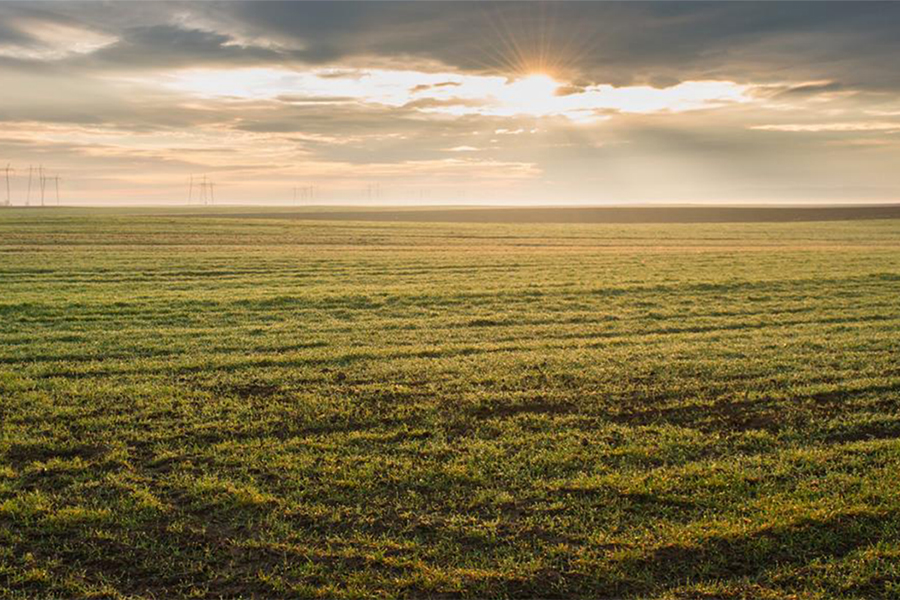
{"x": 527, "y": 41}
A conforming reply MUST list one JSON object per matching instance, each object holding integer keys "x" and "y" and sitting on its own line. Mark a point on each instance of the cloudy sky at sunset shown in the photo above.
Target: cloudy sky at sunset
{"x": 454, "y": 102}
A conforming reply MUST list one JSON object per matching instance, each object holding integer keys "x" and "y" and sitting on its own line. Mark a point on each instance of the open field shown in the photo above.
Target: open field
{"x": 584, "y": 214}
{"x": 217, "y": 407}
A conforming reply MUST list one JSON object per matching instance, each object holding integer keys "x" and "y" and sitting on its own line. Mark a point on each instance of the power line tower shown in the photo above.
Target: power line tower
{"x": 373, "y": 191}
{"x": 43, "y": 182}
{"x": 305, "y": 193}
{"x": 203, "y": 191}
{"x": 8, "y": 169}
{"x": 207, "y": 191}
{"x": 28, "y": 197}
{"x": 56, "y": 183}
{"x": 190, "y": 189}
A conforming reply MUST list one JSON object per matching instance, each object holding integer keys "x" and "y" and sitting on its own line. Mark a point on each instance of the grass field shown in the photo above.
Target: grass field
{"x": 232, "y": 408}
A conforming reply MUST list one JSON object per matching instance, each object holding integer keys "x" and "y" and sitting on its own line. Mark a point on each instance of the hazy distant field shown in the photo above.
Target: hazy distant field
{"x": 584, "y": 214}
{"x": 227, "y": 407}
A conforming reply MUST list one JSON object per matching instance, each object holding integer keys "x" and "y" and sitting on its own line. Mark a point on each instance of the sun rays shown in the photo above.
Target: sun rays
{"x": 528, "y": 39}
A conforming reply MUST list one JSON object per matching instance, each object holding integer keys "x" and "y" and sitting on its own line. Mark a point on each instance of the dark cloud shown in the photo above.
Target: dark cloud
{"x": 174, "y": 46}
{"x": 13, "y": 36}
{"x": 814, "y": 88}
{"x": 660, "y": 43}
{"x": 609, "y": 42}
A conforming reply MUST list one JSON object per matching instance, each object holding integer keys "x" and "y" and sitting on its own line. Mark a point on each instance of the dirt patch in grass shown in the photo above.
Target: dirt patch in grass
{"x": 867, "y": 431}
{"x": 505, "y": 411}
{"x": 22, "y": 453}
{"x": 726, "y": 415}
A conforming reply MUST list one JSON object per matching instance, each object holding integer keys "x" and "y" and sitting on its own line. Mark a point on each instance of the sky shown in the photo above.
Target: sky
{"x": 550, "y": 103}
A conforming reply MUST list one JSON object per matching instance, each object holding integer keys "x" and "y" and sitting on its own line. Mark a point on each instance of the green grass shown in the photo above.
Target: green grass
{"x": 224, "y": 408}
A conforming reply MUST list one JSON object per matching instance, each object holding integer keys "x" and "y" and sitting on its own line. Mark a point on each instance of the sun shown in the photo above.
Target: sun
{"x": 532, "y": 38}
{"x": 534, "y": 94}
{"x": 535, "y": 84}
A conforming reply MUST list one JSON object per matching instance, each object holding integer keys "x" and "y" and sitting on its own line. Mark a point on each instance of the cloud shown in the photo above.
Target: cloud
{"x": 576, "y": 101}
{"x": 34, "y": 35}
{"x": 172, "y": 46}
{"x": 658, "y": 43}
{"x": 831, "y": 127}
{"x": 431, "y": 86}
{"x": 822, "y": 87}
{"x": 442, "y": 103}
{"x": 655, "y": 43}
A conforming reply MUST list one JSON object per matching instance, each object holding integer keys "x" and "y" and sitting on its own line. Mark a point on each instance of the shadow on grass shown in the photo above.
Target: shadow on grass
{"x": 751, "y": 556}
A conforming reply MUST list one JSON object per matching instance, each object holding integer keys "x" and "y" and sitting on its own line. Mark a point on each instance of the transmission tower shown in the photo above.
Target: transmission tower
{"x": 304, "y": 193}
{"x": 373, "y": 191}
{"x": 8, "y": 169}
{"x": 43, "y": 182}
{"x": 28, "y": 197}
{"x": 207, "y": 191}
